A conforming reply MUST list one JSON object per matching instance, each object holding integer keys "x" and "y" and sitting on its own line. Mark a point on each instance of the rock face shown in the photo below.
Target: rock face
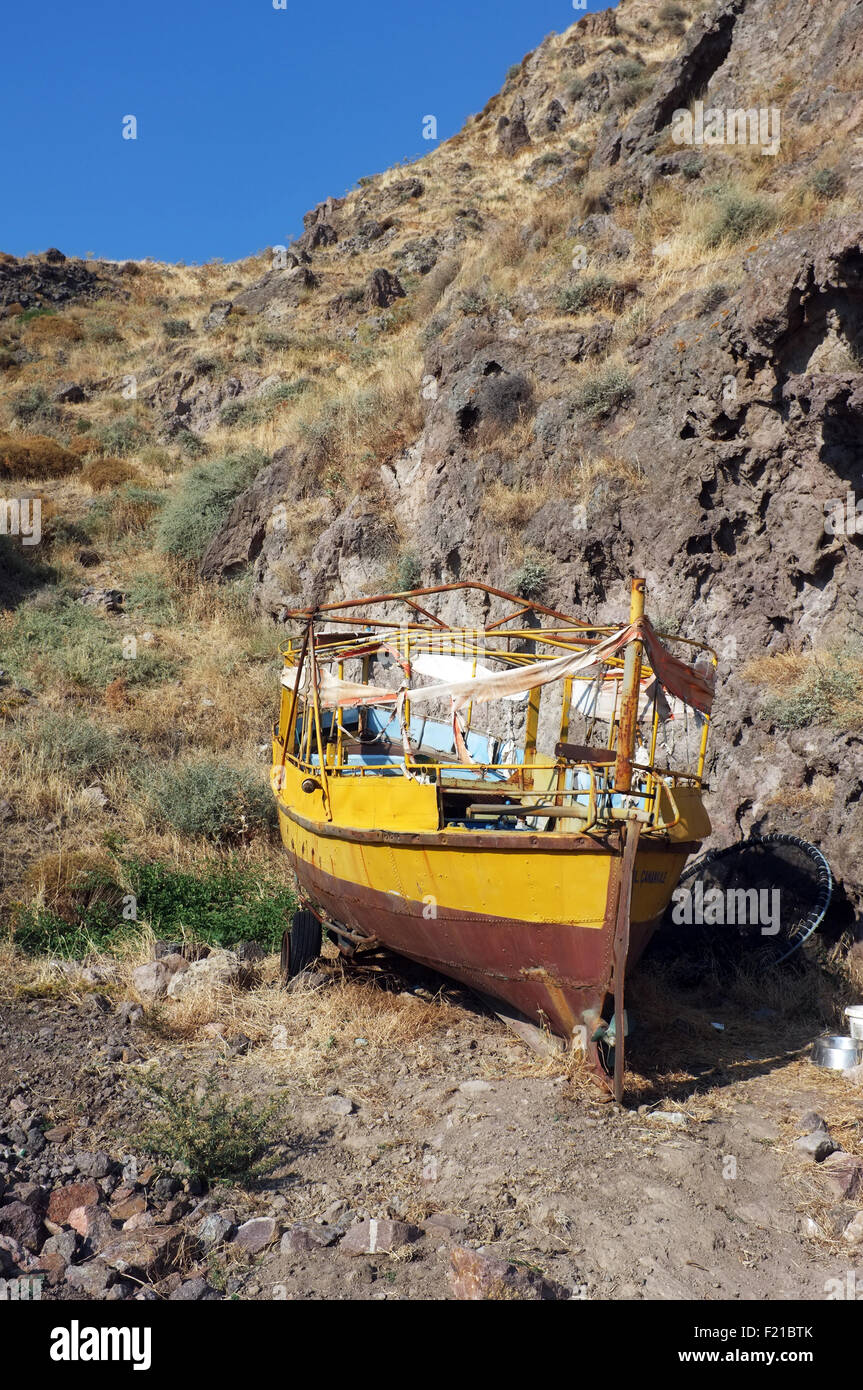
{"x": 736, "y": 414}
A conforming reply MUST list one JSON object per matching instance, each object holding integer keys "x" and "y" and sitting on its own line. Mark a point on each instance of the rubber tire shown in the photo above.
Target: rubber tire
{"x": 301, "y": 945}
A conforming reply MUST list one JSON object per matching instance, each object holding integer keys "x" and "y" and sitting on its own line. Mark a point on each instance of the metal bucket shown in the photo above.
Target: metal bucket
{"x": 854, "y": 1015}
{"x": 837, "y": 1051}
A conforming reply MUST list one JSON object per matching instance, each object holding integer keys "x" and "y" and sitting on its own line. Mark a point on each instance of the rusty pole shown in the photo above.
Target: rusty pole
{"x": 631, "y": 687}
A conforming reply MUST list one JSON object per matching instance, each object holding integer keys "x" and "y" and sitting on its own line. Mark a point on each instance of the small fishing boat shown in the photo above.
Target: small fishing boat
{"x": 510, "y": 803}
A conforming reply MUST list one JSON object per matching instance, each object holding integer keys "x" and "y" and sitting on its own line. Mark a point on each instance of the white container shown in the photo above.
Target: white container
{"x": 854, "y": 1015}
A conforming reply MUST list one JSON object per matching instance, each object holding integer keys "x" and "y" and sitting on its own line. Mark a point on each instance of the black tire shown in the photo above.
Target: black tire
{"x": 301, "y": 945}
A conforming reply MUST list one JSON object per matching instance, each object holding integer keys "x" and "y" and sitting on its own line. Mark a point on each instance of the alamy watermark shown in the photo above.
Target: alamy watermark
{"x": 754, "y": 907}
{"x": 844, "y": 518}
{"x": 21, "y": 517}
{"x": 757, "y": 126}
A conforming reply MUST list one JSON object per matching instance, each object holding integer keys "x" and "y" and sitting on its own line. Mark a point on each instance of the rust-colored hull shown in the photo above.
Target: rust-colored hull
{"x": 553, "y": 972}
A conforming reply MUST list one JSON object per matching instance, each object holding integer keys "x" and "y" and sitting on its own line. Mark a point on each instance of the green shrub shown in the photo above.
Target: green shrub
{"x": 176, "y": 328}
{"x": 33, "y": 404}
{"x": 211, "y": 799}
{"x": 530, "y": 580}
{"x": 221, "y": 903}
{"x": 829, "y": 692}
{"x": 409, "y": 572}
{"x": 576, "y": 89}
{"x": 123, "y": 436}
{"x": 738, "y": 216}
{"x": 194, "y": 513}
{"x": 69, "y": 642}
{"x": 73, "y": 744}
{"x": 604, "y": 391}
{"x": 672, "y": 13}
{"x": 828, "y": 183}
{"x": 214, "y": 1136}
{"x": 591, "y": 291}
{"x": 151, "y": 597}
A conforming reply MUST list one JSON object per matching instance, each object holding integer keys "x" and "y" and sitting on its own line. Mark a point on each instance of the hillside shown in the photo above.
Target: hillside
{"x": 558, "y": 351}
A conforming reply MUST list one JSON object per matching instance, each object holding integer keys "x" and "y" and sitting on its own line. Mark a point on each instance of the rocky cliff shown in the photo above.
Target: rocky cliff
{"x": 623, "y": 382}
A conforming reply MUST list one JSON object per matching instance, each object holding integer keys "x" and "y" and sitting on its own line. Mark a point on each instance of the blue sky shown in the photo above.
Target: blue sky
{"x": 247, "y": 115}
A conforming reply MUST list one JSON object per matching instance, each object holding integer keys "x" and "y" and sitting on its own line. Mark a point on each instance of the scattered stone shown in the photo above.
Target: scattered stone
{"x": 218, "y": 970}
{"x": 153, "y": 979}
{"x": 853, "y": 1232}
{"x": 818, "y": 1145}
{"x": 128, "y": 1012}
{"x": 111, "y": 600}
{"x": 668, "y": 1117}
{"x": 92, "y": 1279}
{"x": 844, "y": 1174}
{"x": 445, "y": 1221}
{"x": 378, "y": 1237}
{"x": 92, "y": 1223}
{"x": 340, "y": 1105}
{"x": 144, "y": 1253}
{"x": 128, "y": 1206}
{"x": 191, "y": 1291}
{"x": 473, "y": 1276}
{"x": 308, "y": 1235}
{"x": 22, "y": 1223}
{"x": 217, "y": 316}
{"x": 255, "y": 1235}
{"x": 810, "y": 1122}
{"x": 63, "y": 1200}
{"x": 474, "y": 1088}
{"x": 94, "y": 1165}
{"x": 69, "y": 393}
{"x": 64, "y": 1244}
{"x": 213, "y": 1230}
{"x": 93, "y": 798}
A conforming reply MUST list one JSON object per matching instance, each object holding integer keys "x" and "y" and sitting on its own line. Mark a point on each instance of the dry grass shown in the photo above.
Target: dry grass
{"x": 34, "y": 456}
{"x": 103, "y": 473}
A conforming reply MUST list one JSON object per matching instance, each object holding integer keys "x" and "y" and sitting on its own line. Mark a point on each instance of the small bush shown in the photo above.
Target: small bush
{"x": 103, "y": 331}
{"x": 53, "y": 329}
{"x": 194, "y": 513}
{"x": 150, "y": 597}
{"x": 739, "y": 216}
{"x": 576, "y": 89}
{"x": 32, "y": 404}
{"x": 691, "y": 167}
{"x": 74, "y": 744}
{"x": 35, "y": 456}
{"x": 409, "y": 572}
{"x": 530, "y": 580}
{"x": 123, "y": 436}
{"x": 604, "y": 391}
{"x": 591, "y": 291}
{"x": 827, "y": 691}
{"x": 214, "y": 1136}
{"x": 176, "y": 328}
{"x": 68, "y": 642}
{"x": 102, "y": 473}
{"x": 211, "y": 799}
{"x": 671, "y": 13}
{"x": 828, "y": 183}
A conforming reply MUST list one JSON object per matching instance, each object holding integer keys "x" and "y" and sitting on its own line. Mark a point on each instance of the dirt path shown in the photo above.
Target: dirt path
{"x": 696, "y": 1197}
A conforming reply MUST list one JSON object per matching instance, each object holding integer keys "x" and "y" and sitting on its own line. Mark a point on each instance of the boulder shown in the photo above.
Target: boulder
{"x": 378, "y": 1237}
{"x": 20, "y": 1222}
{"x": 474, "y": 1276}
{"x": 152, "y": 980}
{"x": 220, "y": 970}
{"x": 255, "y": 1235}
{"x": 64, "y": 1200}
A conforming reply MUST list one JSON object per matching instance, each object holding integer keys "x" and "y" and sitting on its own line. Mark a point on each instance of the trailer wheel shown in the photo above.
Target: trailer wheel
{"x": 301, "y": 945}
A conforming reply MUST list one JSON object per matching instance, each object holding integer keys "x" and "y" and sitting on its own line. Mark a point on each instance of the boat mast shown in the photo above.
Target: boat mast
{"x": 631, "y": 686}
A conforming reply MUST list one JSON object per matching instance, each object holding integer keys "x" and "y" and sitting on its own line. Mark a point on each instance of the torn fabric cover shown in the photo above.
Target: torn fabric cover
{"x": 694, "y": 687}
